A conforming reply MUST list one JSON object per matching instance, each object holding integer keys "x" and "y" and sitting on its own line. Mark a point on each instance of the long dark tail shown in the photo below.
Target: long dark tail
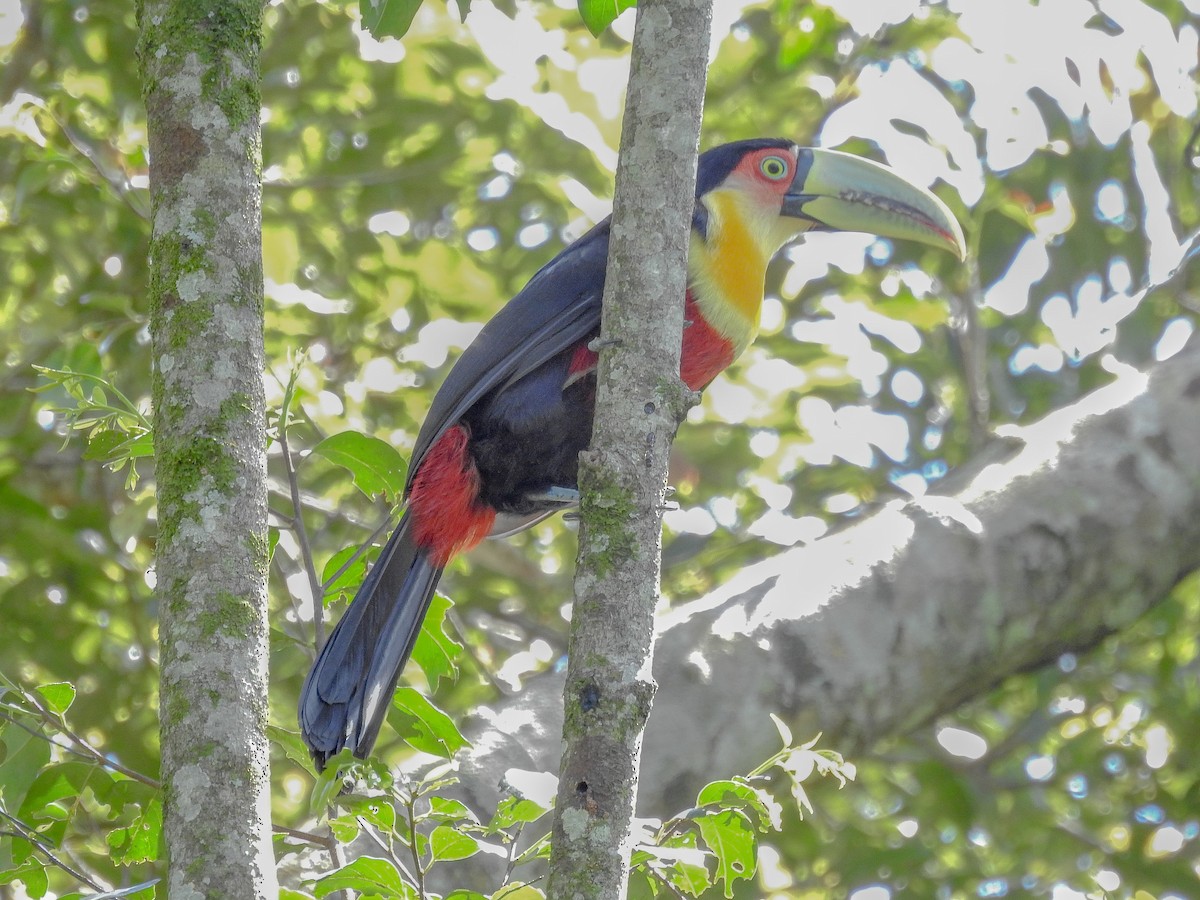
{"x": 348, "y": 691}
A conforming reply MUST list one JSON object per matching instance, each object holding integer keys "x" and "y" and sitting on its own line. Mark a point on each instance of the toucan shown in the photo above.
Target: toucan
{"x": 499, "y": 448}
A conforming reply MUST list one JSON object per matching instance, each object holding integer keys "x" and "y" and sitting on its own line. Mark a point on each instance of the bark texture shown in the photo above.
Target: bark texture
{"x": 622, "y": 477}
{"x": 199, "y": 66}
{"x": 1061, "y": 534}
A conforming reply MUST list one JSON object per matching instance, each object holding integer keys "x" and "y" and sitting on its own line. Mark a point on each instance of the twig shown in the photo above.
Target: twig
{"x": 455, "y": 621}
{"x": 67, "y": 748}
{"x": 120, "y": 185}
{"x": 410, "y": 804}
{"x": 29, "y": 834}
{"x": 116, "y": 893}
{"x": 87, "y": 751}
{"x": 337, "y": 856}
{"x": 314, "y": 583}
{"x": 386, "y": 847}
{"x": 512, "y": 858}
{"x": 327, "y": 842}
{"x": 358, "y": 554}
{"x": 286, "y": 565}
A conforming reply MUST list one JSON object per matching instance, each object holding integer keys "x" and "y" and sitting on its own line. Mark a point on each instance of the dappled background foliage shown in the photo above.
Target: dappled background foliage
{"x": 412, "y": 186}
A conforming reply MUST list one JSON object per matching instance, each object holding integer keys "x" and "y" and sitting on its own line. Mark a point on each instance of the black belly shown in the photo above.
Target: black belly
{"x": 527, "y": 437}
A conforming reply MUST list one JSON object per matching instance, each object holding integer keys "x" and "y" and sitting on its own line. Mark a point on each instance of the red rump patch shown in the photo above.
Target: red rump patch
{"x": 447, "y": 514}
{"x": 705, "y": 354}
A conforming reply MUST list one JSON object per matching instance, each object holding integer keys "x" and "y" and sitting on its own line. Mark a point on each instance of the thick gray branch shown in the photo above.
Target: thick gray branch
{"x": 1076, "y": 526}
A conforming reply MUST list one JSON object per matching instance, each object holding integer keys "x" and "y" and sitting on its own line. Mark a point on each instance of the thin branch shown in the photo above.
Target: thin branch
{"x": 358, "y": 554}
{"x": 512, "y": 853}
{"x": 410, "y": 804}
{"x": 1191, "y": 247}
{"x": 314, "y": 582}
{"x": 337, "y": 855}
{"x": 118, "y": 183}
{"x": 81, "y": 746}
{"x": 485, "y": 671}
{"x": 388, "y": 848}
{"x": 325, "y": 842}
{"x": 29, "y": 834}
{"x": 286, "y": 566}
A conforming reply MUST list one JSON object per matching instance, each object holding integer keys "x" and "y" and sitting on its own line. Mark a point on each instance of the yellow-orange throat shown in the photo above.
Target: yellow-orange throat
{"x": 729, "y": 268}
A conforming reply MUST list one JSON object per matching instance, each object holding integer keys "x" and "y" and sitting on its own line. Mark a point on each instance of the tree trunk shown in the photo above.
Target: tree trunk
{"x": 1061, "y": 535}
{"x": 622, "y": 477}
{"x": 199, "y": 66}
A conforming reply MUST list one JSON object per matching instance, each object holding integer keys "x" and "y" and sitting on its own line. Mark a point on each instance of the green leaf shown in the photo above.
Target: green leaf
{"x": 375, "y": 465}
{"x": 730, "y": 837}
{"x": 56, "y": 782}
{"x": 448, "y": 809}
{"x": 388, "y": 18}
{"x": 436, "y": 732}
{"x": 519, "y": 892}
{"x": 139, "y": 842}
{"x": 281, "y": 254}
{"x": 597, "y": 15}
{"x": 345, "y": 828}
{"x": 446, "y": 843}
{"x": 289, "y": 894}
{"x": 379, "y": 813}
{"x": 691, "y": 879}
{"x": 32, "y": 874}
{"x": 292, "y": 746}
{"x": 103, "y": 444}
{"x": 513, "y": 810}
{"x": 117, "y": 791}
{"x": 955, "y": 800}
{"x": 369, "y": 875}
{"x": 350, "y": 578}
{"x": 331, "y": 781}
{"x": 58, "y": 696}
{"x": 25, "y": 755}
{"x": 737, "y": 794}
{"x": 435, "y": 651}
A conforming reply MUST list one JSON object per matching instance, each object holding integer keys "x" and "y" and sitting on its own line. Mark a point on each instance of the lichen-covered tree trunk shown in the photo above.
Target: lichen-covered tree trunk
{"x": 200, "y": 75}
{"x": 622, "y": 477}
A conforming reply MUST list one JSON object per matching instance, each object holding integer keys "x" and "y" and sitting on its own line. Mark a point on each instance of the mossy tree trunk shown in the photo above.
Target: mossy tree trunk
{"x": 200, "y": 75}
{"x": 622, "y": 477}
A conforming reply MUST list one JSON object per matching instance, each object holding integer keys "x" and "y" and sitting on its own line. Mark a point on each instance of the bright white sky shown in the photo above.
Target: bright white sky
{"x": 10, "y": 21}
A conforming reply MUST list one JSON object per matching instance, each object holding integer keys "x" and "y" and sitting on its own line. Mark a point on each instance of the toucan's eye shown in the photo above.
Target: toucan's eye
{"x": 774, "y": 167}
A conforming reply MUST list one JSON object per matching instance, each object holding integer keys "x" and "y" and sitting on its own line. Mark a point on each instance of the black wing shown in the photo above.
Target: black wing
{"x": 559, "y": 307}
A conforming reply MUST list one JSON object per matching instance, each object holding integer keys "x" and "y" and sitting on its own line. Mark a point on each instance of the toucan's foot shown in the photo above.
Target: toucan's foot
{"x": 534, "y": 506}
{"x": 559, "y": 496}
